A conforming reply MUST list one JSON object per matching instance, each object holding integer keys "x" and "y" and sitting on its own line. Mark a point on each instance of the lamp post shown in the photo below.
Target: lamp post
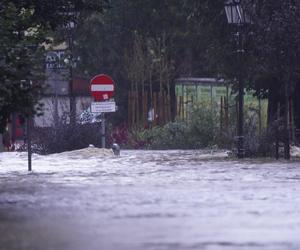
{"x": 236, "y": 15}
{"x": 25, "y": 85}
{"x": 72, "y": 16}
{"x": 70, "y": 62}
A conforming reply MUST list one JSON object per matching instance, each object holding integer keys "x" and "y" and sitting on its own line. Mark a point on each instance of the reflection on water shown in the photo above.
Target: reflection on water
{"x": 90, "y": 199}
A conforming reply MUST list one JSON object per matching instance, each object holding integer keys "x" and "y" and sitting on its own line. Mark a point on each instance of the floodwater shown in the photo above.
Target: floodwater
{"x": 148, "y": 200}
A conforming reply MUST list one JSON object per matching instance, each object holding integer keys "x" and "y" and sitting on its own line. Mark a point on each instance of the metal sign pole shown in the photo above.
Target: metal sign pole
{"x": 29, "y": 142}
{"x": 103, "y": 130}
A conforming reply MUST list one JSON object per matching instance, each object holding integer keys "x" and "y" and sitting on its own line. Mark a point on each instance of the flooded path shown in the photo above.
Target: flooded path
{"x": 148, "y": 200}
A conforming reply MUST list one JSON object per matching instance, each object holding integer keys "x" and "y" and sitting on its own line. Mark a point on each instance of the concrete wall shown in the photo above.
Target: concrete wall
{"x": 58, "y": 108}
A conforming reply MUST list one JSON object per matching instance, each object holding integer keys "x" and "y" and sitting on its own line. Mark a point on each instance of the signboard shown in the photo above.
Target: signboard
{"x": 102, "y": 87}
{"x": 54, "y": 59}
{"x": 103, "y": 107}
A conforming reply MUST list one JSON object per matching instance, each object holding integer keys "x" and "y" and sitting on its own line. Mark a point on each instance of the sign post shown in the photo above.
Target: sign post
{"x": 29, "y": 143}
{"x": 102, "y": 130}
{"x": 103, "y": 89}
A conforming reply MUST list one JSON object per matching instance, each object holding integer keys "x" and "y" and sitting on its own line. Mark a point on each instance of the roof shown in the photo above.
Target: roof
{"x": 199, "y": 81}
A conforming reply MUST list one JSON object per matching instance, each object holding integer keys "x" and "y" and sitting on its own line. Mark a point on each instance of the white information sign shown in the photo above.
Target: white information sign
{"x": 103, "y": 107}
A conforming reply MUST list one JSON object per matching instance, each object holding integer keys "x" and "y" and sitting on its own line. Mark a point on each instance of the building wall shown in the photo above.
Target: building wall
{"x": 59, "y": 108}
{"x": 56, "y": 102}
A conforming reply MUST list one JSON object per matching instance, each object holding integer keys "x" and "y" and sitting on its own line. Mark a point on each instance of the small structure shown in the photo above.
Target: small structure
{"x": 214, "y": 93}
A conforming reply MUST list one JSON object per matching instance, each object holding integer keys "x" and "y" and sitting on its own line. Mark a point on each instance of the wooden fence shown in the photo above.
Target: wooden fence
{"x": 148, "y": 109}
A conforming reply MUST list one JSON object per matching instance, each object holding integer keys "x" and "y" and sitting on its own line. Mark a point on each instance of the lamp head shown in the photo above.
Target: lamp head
{"x": 235, "y": 13}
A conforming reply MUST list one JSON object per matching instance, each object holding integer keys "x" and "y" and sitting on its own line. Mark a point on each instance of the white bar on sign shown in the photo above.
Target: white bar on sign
{"x": 102, "y": 87}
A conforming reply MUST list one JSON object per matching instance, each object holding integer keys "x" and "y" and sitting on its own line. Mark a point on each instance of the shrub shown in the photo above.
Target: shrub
{"x": 199, "y": 132}
{"x": 203, "y": 129}
{"x": 170, "y": 136}
{"x": 66, "y": 137}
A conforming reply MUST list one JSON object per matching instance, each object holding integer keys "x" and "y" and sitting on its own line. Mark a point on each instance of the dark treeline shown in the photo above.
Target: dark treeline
{"x": 25, "y": 29}
{"x": 145, "y": 43}
{"x": 149, "y": 42}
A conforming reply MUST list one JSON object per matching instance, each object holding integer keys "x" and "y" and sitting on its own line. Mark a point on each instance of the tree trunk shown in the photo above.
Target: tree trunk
{"x": 296, "y": 109}
{"x": 129, "y": 108}
{"x": 286, "y": 125}
{"x": 137, "y": 107}
{"x": 172, "y": 101}
{"x": 273, "y": 100}
{"x": 292, "y": 120}
{"x": 1, "y": 143}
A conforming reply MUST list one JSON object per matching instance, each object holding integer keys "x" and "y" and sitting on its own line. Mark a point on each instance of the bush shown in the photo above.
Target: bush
{"x": 66, "y": 137}
{"x": 200, "y": 131}
{"x": 170, "y": 136}
{"x": 203, "y": 129}
{"x": 263, "y": 144}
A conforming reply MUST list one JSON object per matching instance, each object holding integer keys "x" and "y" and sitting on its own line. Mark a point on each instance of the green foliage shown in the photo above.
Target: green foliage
{"x": 196, "y": 39}
{"x": 20, "y": 59}
{"x": 170, "y": 136}
{"x": 177, "y": 38}
{"x": 274, "y": 45}
{"x": 201, "y": 131}
{"x": 203, "y": 126}
{"x": 24, "y": 28}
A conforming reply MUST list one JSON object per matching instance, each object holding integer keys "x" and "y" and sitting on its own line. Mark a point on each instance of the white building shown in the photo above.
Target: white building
{"x": 56, "y": 101}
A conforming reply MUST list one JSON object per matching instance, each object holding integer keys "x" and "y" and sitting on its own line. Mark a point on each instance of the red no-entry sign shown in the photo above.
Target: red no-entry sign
{"x": 102, "y": 87}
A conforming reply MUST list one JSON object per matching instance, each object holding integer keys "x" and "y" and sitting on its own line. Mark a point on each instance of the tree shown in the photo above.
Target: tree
{"x": 275, "y": 47}
{"x": 105, "y": 42}
{"x": 276, "y": 68}
{"x": 24, "y": 30}
{"x": 20, "y": 36}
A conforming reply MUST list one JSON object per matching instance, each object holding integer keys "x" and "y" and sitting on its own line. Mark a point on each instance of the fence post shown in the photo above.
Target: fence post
{"x": 277, "y": 132}
{"x": 221, "y": 117}
{"x": 29, "y": 143}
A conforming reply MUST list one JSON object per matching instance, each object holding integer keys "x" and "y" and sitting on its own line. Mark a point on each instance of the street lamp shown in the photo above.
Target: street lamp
{"x": 236, "y": 15}
{"x": 72, "y": 18}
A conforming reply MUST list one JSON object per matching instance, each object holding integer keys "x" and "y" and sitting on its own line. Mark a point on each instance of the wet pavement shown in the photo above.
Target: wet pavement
{"x": 150, "y": 200}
